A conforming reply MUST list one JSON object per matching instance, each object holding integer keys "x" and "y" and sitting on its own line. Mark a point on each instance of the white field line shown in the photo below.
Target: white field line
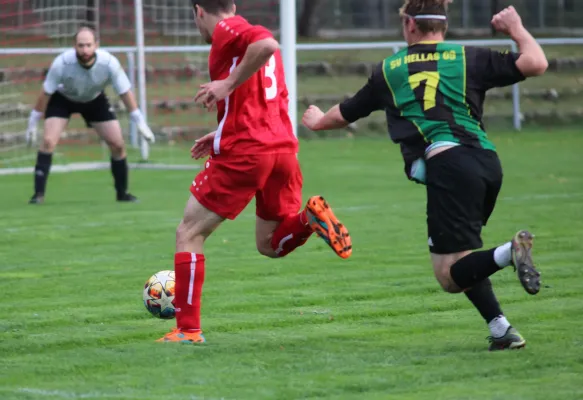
{"x": 62, "y": 394}
{"x": 95, "y": 166}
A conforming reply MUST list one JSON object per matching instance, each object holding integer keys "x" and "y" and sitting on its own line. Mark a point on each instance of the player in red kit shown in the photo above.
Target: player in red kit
{"x": 253, "y": 153}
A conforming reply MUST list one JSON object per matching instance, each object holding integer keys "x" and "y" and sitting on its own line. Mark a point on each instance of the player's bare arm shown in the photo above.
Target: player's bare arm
{"x": 129, "y": 100}
{"x": 256, "y": 56}
{"x": 532, "y": 61}
{"x": 316, "y": 120}
{"x": 203, "y": 146}
{"x": 41, "y": 102}
{"x": 341, "y": 115}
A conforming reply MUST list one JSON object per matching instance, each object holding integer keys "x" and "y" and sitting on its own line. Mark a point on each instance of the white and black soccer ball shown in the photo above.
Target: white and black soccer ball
{"x": 159, "y": 293}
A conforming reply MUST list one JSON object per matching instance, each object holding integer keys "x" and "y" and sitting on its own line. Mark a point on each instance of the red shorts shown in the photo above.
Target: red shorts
{"x": 227, "y": 186}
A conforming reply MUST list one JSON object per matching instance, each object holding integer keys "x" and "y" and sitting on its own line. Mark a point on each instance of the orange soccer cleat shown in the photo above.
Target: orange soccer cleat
{"x": 180, "y": 336}
{"x": 325, "y": 224}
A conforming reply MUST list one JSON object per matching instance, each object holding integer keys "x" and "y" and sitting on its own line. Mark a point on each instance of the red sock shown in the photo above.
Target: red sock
{"x": 189, "y": 272}
{"x": 291, "y": 233}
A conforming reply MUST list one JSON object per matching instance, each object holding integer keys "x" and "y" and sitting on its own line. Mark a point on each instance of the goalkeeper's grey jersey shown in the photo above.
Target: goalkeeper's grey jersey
{"x": 81, "y": 84}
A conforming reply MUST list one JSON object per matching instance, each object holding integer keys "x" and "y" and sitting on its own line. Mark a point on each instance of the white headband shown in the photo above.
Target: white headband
{"x": 430, "y": 16}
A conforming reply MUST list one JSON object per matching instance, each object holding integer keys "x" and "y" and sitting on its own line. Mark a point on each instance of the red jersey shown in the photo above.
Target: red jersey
{"x": 254, "y": 119}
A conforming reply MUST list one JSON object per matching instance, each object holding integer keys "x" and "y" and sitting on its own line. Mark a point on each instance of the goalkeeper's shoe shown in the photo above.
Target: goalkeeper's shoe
{"x": 127, "y": 197}
{"x": 180, "y": 336}
{"x": 37, "y": 198}
{"x": 522, "y": 261}
{"x": 325, "y": 224}
{"x": 511, "y": 340}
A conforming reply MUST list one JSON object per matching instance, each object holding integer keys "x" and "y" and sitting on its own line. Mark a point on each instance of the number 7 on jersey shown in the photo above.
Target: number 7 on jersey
{"x": 271, "y": 91}
{"x": 431, "y": 79}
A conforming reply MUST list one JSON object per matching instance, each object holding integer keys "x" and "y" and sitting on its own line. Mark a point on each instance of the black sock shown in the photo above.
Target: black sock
{"x": 119, "y": 170}
{"x": 473, "y": 268}
{"x": 483, "y": 298}
{"x": 41, "y": 171}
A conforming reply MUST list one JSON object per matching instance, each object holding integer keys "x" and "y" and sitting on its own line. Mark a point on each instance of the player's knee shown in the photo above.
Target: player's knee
{"x": 265, "y": 249}
{"x": 442, "y": 269}
{"x": 49, "y": 142}
{"x": 117, "y": 150}
{"x": 48, "y": 146}
{"x": 448, "y": 285}
{"x": 187, "y": 236}
{"x": 443, "y": 276}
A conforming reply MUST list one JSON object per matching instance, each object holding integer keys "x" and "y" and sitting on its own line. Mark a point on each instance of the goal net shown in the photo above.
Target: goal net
{"x": 33, "y": 32}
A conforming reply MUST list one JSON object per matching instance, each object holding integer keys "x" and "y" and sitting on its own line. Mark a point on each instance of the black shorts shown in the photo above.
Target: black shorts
{"x": 96, "y": 110}
{"x": 462, "y": 187}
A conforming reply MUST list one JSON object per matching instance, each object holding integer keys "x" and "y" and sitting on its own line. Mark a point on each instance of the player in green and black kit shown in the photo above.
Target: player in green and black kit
{"x": 433, "y": 93}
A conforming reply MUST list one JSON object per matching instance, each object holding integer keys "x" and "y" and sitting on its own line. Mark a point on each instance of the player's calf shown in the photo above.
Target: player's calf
{"x": 285, "y": 236}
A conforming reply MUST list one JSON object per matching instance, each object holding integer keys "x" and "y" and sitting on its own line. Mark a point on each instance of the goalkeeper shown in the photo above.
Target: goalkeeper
{"x": 75, "y": 84}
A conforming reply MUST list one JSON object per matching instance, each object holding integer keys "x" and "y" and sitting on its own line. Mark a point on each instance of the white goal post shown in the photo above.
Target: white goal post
{"x": 288, "y": 29}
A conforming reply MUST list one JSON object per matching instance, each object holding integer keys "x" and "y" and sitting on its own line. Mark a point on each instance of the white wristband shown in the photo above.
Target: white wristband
{"x": 137, "y": 116}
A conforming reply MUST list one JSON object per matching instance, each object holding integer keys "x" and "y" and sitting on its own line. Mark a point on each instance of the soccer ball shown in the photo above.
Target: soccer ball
{"x": 159, "y": 293}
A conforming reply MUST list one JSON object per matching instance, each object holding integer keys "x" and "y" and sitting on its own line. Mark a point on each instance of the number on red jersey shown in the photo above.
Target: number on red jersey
{"x": 271, "y": 90}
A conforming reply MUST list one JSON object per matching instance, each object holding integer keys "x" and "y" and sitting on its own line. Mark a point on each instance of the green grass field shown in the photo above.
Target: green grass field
{"x": 310, "y": 326}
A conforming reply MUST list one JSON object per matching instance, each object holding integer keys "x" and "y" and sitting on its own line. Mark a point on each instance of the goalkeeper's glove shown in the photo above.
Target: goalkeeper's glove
{"x": 144, "y": 129}
{"x": 31, "y": 131}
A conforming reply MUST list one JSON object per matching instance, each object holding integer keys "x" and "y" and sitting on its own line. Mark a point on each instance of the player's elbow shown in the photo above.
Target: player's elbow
{"x": 533, "y": 66}
{"x": 269, "y": 46}
{"x": 541, "y": 67}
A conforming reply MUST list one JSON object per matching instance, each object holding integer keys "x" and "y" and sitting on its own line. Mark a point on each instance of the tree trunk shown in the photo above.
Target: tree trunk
{"x": 494, "y": 4}
{"x": 306, "y": 27}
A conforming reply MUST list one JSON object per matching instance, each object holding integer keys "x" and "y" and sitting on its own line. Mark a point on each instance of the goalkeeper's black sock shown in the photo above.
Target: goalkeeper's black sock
{"x": 119, "y": 170}
{"x": 41, "y": 171}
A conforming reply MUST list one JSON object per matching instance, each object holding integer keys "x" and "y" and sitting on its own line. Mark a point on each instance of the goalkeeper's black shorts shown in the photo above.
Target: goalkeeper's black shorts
{"x": 96, "y": 110}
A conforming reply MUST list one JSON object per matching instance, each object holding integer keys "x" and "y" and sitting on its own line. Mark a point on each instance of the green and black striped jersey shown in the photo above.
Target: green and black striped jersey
{"x": 434, "y": 92}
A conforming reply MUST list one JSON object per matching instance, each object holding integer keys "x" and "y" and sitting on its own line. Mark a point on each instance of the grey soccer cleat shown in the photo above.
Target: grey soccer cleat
{"x": 127, "y": 198}
{"x": 528, "y": 276}
{"x": 37, "y": 198}
{"x": 511, "y": 340}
